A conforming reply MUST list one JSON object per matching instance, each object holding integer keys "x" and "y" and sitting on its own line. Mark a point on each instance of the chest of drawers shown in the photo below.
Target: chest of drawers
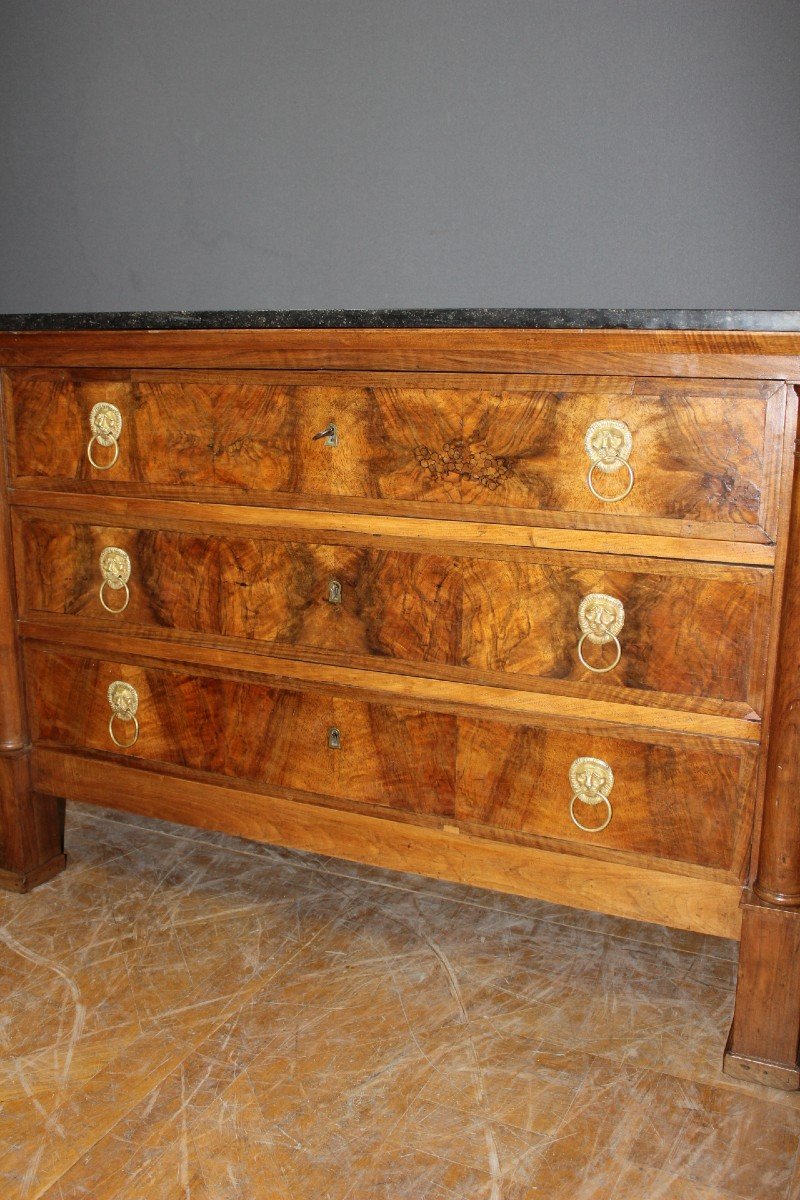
{"x": 511, "y": 607}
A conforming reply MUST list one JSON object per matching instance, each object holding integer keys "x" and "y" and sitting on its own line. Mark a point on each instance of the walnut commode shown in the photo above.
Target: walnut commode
{"x": 518, "y": 608}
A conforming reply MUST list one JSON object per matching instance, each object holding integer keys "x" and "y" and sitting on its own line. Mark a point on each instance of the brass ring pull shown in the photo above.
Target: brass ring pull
{"x": 124, "y": 701}
{"x": 608, "y": 444}
{"x": 115, "y": 567}
{"x": 105, "y": 422}
{"x": 600, "y": 618}
{"x": 102, "y": 466}
{"x": 123, "y": 745}
{"x": 620, "y": 495}
{"x": 591, "y": 780}
{"x": 600, "y": 670}
{"x": 108, "y": 607}
{"x": 591, "y": 828}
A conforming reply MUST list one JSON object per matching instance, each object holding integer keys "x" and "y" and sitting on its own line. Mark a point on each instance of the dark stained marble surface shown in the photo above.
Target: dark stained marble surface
{"x": 717, "y": 319}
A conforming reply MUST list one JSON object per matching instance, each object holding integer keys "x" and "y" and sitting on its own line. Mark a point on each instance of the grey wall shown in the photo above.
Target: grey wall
{"x": 362, "y": 153}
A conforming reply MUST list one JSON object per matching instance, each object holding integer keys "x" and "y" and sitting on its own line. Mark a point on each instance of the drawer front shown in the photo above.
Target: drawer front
{"x": 337, "y": 600}
{"x": 694, "y": 631}
{"x": 685, "y": 801}
{"x": 527, "y": 449}
{"x": 392, "y": 757}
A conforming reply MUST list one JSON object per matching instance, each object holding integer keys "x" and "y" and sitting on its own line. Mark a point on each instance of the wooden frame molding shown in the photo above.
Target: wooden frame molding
{"x": 730, "y": 355}
{"x": 764, "y": 1043}
{"x": 31, "y": 826}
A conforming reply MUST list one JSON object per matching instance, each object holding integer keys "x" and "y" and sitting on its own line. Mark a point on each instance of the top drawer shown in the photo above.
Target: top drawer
{"x": 659, "y": 456}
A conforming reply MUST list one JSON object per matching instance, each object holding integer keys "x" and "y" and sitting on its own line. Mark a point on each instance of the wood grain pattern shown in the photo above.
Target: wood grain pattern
{"x": 778, "y": 877}
{"x": 394, "y": 757}
{"x": 314, "y": 523}
{"x": 508, "y": 777}
{"x": 684, "y": 802}
{"x": 31, "y": 826}
{"x": 517, "y": 616}
{"x": 545, "y": 706}
{"x": 703, "y": 904}
{"x": 764, "y": 1043}
{"x": 735, "y": 354}
{"x": 702, "y": 452}
{"x": 684, "y": 633}
{"x": 222, "y": 430}
{"x": 400, "y": 606}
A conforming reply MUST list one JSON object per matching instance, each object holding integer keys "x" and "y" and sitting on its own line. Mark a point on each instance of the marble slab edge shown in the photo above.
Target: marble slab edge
{"x": 711, "y": 320}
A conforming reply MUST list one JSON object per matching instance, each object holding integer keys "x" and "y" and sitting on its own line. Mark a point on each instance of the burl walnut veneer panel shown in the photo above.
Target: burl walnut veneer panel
{"x": 685, "y": 801}
{"x": 509, "y": 778}
{"x": 389, "y": 756}
{"x": 697, "y": 632}
{"x": 264, "y": 589}
{"x": 702, "y": 451}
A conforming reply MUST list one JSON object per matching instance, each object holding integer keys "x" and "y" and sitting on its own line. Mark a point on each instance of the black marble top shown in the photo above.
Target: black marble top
{"x": 720, "y": 319}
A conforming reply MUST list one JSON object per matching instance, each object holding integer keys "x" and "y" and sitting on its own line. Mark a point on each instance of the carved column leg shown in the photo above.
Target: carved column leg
{"x": 764, "y": 1042}
{"x": 31, "y": 826}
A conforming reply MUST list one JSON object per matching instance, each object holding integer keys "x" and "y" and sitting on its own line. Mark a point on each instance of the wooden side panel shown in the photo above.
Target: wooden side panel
{"x": 31, "y": 826}
{"x": 687, "y": 802}
{"x": 764, "y": 1043}
{"x": 696, "y": 632}
{"x": 390, "y": 757}
{"x": 701, "y": 451}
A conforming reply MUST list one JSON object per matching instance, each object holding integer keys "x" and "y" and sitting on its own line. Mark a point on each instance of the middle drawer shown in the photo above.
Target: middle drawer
{"x": 641, "y": 628}
{"x": 647, "y": 628}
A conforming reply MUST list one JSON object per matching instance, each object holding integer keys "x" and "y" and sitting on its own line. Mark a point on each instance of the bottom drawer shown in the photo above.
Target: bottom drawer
{"x": 328, "y": 745}
{"x": 680, "y": 798}
{"x": 683, "y": 798}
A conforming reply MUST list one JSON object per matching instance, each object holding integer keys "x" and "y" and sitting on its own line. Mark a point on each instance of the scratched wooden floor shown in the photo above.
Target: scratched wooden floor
{"x": 184, "y": 1015}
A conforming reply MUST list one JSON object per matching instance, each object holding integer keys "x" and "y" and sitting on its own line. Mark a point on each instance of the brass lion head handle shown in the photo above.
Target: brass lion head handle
{"x": 124, "y": 701}
{"x": 115, "y": 568}
{"x": 105, "y": 423}
{"x": 600, "y": 618}
{"x": 608, "y": 444}
{"x": 591, "y": 780}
